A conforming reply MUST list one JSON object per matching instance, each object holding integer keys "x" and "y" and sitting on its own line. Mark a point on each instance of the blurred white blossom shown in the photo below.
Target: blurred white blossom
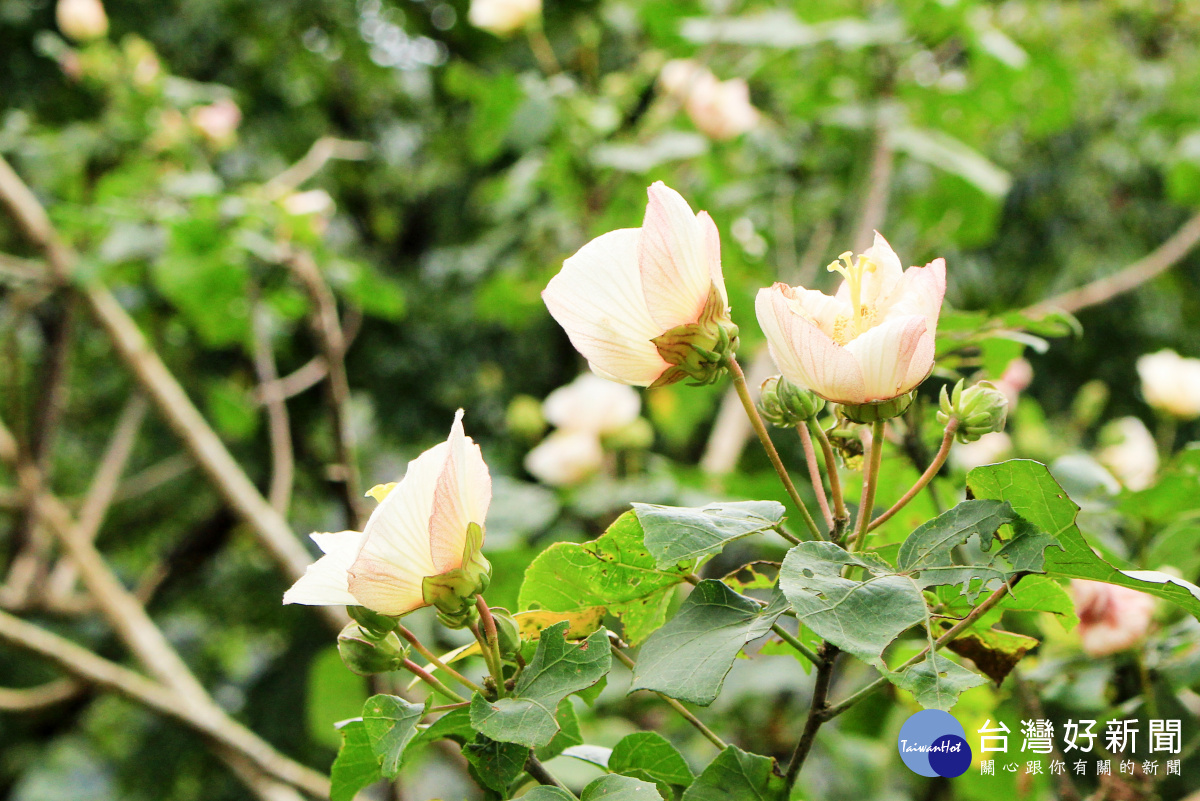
{"x": 1111, "y": 618}
{"x": 81, "y": 20}
{"x": 1171, "y": 383}
{"x": 1132, "y": 455}
{"x": 565, "y": 457}
{"x": 720, "y": 109}
{"x": 217, "y": 122}
{"x": 988, "y": 449}
{"x": 591, "y": 403}
{"x": 503, "y": 17}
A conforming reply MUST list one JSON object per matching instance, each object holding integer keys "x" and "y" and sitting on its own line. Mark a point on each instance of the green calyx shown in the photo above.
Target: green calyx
{"x": 785, "y": 405}
{"x": 453, "y": 593}
{"x": 874, "y": 412}
{"x": 372, "y": 623}
{"x": 508, "y": 632}
{"x": 699, "y": 350}
{"x": 980, "y": 409}
{"x": 366, "y": 654}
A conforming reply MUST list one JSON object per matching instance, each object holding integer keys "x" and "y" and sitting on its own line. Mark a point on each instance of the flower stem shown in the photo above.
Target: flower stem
{"x": 926, "y": 477}
{"x": 841, "y": 517}
{"x": 427, "y": 677}
{"x": 951, "y": 633}
{"x": 542, "y": 50}
{"x": 814, "y": 473}
{"x": 794, "y": 641}
{"x": 490, "y": 642}
{"x": 870, "y": 484}
{"x": 708, "y": 733}
{"x": 438, "y": 663}
{"x": 760, "y": 428}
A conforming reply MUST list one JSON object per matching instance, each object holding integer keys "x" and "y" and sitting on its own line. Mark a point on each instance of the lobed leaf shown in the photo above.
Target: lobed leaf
{"x": 674, "y": 534}
{"x": 391, "y": 724}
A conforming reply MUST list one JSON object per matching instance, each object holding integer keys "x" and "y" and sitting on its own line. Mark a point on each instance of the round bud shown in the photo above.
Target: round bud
{"x": 507, "y": 630}
{"x": 635, "y": 436}
{"x": 372, "y": 623}
{"x": 366, "y": 654}
{"x": 524, "y": 418}
{"x": 785, "y": 405}
{"x": 874, "y": 412}
{"x": 980, "y": 409}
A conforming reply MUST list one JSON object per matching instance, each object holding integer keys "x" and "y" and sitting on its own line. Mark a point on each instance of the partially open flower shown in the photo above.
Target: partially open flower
{"x": 1129, "y": 452}
{"x": 1171, "y": 383}
{"x": 421, "y": 546}
{"x": 1111, "y": 618}
{"x": 872, "y": 342}
{"x": 647, "y": 306}
{"x": 592, "y": 403}
{"x": 81, "y": 20}
{"x": 565, "y": 457}
{"x": 503, "y": 17}
{"x": 720, "y": 109}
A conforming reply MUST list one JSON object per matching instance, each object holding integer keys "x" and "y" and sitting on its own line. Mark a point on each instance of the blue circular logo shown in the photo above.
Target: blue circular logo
{"x": 933, "y": 743}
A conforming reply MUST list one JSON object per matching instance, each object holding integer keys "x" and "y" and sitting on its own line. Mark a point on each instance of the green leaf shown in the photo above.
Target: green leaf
{"x": 1176, "y": 492}
{"x": 615, "y": 571}
{"x": 689, "y": 657}
{"x": 557, "y": 669}
{"x": 333, "y": 694}
{"x": 674, "y": 534}
{"x": 936, "y": 684}
{"x": 356, "y": 765}
{"x": 497, "y": 764}
{"x": 927, "y": 554}
{"x": 650, "y": 756}
{"x": 454, "y": 725}
{"x": 1037, "y": 497}
{"x": 736, "y": 776}
{"x": 606, "y": 788}
{"x": 568, "y": 731}
{"x": 860, "y": 617}
{"x": 391, "y": 723}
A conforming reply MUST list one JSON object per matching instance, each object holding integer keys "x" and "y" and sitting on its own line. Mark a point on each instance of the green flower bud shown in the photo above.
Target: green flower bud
{"x": 785, "y": 405}
{"x": 507, "y": 630}
{"x": 635, "y": 436}
{"x": 453, "y": 593}
{"x": 372, "y": 623}
{"x": 980, "y": 409}
{"x": 524, "y": 418}
{"x": 699, "y": 350}
{"x": 874, "y": 412}
{"x": 366, "y": 655}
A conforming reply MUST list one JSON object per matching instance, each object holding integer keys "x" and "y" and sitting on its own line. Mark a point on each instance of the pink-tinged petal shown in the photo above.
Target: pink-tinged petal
{"x": 821, "y": 309}
{"x": 591, "y": 403}
{"x": 919, "y": 291}
{"x": 712, "y": 244}
{"x": 395, "y": 555}
{"x": 325, "y": 582}
{"x": 804, "y": 354}
{"x": 597, "y": 298}
{"x": 673, "y": 258}
{"x": 884, "y": 354}
{"x": 921, "y": 364}
{"x": 462, "y": 496}
{"x": 879, "y": 284}
{"x": 566, "y": 457}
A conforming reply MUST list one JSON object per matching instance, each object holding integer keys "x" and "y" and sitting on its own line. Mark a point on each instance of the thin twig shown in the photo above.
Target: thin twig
{"x": 1153, "y": 264}
{"x": 30, "y": 699}
{"x": 794, "y": 641}
{"x": 743, "y": 391}
{"x": 328, "y": 330}
{"x": 427, "y": 677}
{"x": 1067, "y": 791}
{"x": 814, "y": 473}
{"x": 543, "y": 776}
{"x": 816, "y": 715}
{"x": 102, "y": 490}
{"x": 874, "y": 460}
{"x": 841, "y": 517}
{"x": 321, "y": 153}
{"x": 938, "y": 460}
{"x": 683, "y": 711}
{"x": 283, "y": 465}
{"x": 950, "y": 634}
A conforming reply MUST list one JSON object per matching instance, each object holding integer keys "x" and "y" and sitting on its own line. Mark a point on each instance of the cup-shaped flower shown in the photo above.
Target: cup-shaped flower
{"x": 1111, "y": 618}
{"x": 870, "y": 343}
{"x": 421, "y": 546}
{"x": 1171, "y": 383}
{"x": 647, "y": 306}
{"x": 503, "y": 17}
{"x": 591, "y": 403}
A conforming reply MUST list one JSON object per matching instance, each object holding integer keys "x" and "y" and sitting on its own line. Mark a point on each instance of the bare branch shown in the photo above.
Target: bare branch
{"x": 87, "y": 666}
{"x": 282, "y": 460}
{"x": 169, "y": 397}
{"x": 321, "y": 152}
{"x": 1153, "y": 264}
{"x": 30, "y": 699}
